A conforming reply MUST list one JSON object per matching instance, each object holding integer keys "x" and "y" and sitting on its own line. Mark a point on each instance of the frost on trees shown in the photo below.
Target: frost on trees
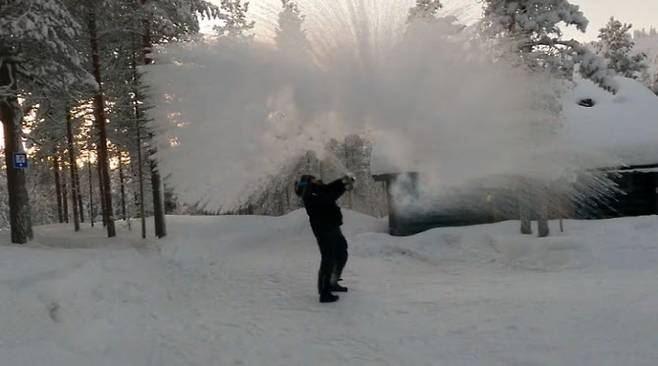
{"x": 532, "y": 29}
{"x": 290, "y": 37}
{"x": 37, "y": 58}
{"x": 425, "y": 10}
{"x": 235, "y": 24}
{"x": 616, "y": 46}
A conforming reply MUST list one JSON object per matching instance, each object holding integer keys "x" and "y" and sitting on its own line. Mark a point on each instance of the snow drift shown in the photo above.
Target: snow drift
{"x": 241, "y": 291}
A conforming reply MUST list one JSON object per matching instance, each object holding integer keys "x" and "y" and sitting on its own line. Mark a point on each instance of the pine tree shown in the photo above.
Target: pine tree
{"x": 170, "y": 20}
{"x": 425, "y": 10}
{"x": 532, "y": 28}
{"x": 37, "y": 56}
{"x": 290, "y": 37}
{"x": 235, "y": 24}
{"x": 424, "y": 17}
{"x": 100, "y": 114}
{"x": 616, "y": 45}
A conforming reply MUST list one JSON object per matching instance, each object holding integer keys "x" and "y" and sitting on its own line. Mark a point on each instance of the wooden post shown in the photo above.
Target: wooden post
{"x": 524, "y": 206}
{"x": 543, "y": 229}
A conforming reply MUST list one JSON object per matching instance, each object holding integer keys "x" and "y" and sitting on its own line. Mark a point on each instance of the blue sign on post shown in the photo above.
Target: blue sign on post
{"x": 20, "y": 160}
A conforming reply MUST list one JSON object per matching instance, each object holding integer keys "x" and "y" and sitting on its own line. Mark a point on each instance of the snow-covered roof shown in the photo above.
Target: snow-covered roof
{"x": 623, "y": 126}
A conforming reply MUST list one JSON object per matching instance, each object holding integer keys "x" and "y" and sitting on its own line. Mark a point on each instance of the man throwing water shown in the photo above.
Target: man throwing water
{"x": 326, "y": 218}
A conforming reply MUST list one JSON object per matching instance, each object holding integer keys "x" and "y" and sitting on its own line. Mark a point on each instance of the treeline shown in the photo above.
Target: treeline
{"x": 72, "y": 98}
{"x": 72, "y": 95}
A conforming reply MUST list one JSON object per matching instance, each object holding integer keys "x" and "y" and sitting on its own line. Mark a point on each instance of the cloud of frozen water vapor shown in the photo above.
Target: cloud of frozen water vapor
{"x": 230, "y": 114}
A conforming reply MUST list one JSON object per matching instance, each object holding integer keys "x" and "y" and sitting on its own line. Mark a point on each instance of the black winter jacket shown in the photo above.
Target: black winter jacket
{"x": 321, "y": 207}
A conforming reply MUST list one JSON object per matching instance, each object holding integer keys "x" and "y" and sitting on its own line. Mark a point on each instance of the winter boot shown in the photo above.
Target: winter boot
{"x": 337, "y": 288}
{"x": 328, "y": 297}
{"x": 333, "y": 282}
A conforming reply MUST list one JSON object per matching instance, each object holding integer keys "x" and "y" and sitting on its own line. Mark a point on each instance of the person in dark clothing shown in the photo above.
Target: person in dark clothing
{"x": 326, "y": 219}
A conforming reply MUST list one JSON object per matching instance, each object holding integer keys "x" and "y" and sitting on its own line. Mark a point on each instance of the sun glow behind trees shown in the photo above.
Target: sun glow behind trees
{"x": 641, "y": 13}
{"x": 50, "y": 50}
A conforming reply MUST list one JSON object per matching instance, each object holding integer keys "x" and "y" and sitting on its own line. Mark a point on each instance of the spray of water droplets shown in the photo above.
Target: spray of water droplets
{"x": 428, "y": 94}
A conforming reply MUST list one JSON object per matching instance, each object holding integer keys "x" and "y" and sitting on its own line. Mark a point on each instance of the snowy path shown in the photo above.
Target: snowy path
{"x": 241, "y": 291}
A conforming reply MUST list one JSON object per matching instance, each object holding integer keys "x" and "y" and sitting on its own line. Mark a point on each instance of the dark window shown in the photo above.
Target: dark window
{"x": 588, "y": 102}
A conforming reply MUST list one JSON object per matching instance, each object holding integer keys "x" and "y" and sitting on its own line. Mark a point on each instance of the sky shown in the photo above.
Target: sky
{"x": 640, "y": 13}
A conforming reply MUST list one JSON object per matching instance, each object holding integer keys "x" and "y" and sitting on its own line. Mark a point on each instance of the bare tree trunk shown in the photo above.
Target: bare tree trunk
{"x": 11, "y": 116}
{"x": 156, "y": 182}
{"x": 123, "y": 187}
{"x": 170, "y": 204}
{"x": 158, "y": 207}
{"x": 140, "y": 158}
{"x": 91, "y": 195}
{"x": 73, "y": 167}
{"x": 101, "y": 195}
{"x": 99, "y": 109}
{"x": 140, "y": 170}
{"x": 81, "y": 207}
{"x": 65, "y": 199}
{"x": 58, "y": 189}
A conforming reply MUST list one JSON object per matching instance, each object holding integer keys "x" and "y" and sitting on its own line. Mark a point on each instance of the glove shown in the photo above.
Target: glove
{"x": 349, "y": 181}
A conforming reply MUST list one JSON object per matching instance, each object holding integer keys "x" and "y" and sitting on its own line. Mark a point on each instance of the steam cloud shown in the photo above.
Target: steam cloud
{"x": 430, "y": 97}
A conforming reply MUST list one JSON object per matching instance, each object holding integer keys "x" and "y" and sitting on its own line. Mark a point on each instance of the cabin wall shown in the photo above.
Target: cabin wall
{"x": 640, "y": 198}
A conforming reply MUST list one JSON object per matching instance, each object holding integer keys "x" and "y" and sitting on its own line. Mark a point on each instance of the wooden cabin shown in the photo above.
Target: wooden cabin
{"x": 624, "y": 126}
{"x": 637, "y": 196}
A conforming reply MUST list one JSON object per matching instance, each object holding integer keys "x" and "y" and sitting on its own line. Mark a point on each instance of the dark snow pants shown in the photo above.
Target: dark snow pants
{"x": 333, "y": 249}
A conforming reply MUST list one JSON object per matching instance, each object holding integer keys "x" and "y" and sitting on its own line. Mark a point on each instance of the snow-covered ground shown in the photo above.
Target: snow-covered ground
{"x": 241, "y": 291}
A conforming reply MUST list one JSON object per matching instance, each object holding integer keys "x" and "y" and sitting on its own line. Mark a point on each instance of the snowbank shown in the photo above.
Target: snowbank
{"x": 585, "y": 244}
{"x": 241, "y": 291}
